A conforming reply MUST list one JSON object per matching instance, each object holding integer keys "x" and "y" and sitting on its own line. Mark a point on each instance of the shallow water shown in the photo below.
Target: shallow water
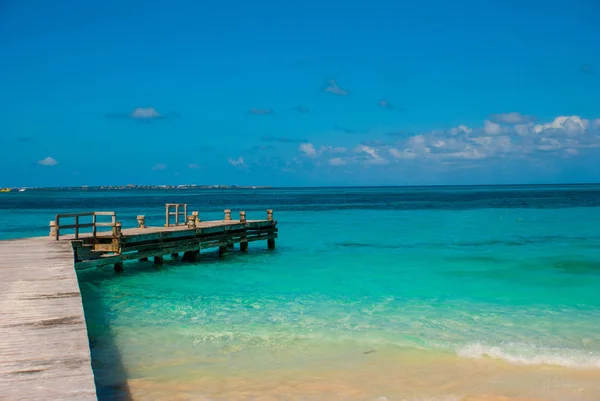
{"x": 372, "y": 293}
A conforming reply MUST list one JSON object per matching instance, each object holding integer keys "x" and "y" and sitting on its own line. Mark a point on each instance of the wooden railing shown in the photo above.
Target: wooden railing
{"x": 180, "y": 209}
{"x": 77, "y": 225}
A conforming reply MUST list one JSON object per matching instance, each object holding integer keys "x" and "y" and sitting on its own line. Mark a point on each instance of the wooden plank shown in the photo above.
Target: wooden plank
{"x": 44, "y": 351}
{"x": 71, "y": 215}
{"x": 81, "y": 225}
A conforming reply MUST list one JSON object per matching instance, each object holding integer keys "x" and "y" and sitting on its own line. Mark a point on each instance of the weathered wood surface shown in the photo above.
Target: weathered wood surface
{"x": 44, "y": 349}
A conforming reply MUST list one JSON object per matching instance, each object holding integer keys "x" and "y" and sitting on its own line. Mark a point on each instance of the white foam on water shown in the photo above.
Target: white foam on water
{"x": 522, "y": 354}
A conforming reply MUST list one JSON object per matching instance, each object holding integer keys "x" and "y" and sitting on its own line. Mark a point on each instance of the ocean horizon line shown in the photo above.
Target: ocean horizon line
{"x": 237, "y": 186}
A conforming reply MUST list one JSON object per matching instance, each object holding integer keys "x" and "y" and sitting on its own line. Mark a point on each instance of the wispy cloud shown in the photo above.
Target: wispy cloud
{"x": 239, "y": 162}
{"x": 332, "y": 87}
{"x": 159, "y": 167}
{"x": 262, "y": 148}
{"x": 385, "y": 104}
{"x": 193, "y": 166}
{"x": 48, "y": 162}
{"x": 261, "y": 112}
{"x": 512, "y": 118}
{"x": 462, "y": 146}
{"x": 350, "y": 130}
{"x": 374, "y": 158}
{"x": 143, "y": 114}
{"x": 308, "y": 149}
{"x": 283, "y": 139}
{"x": 302, "y": 109}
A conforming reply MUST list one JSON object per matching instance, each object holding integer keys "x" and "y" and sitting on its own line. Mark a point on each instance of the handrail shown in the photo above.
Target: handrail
{"x": 57, "y": 226}
{"x": 176, "y": 213}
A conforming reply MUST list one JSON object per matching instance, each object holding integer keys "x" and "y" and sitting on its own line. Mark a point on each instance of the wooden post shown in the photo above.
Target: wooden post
{"x": 227, "y": 214}
{"x": 57, "y": 227}
{"x": 191, "y": 221}
{"x": 94, "y": 225}
{"x": 76, "y": 227}
{"x": 270, "y": 214}
{"x": 143, "y": 259}
{"x": 174, "y": 256}
{"x": 271, "y": 243}
{"x": 53, "y": 228}
{"x": 243, "y": 245}
{"x": 196, "y": 217}
{"x": 141, "y": 221}
{"x": 119, "y": 267}
{"x": 222, "y": 250}
{"x": 158, "y": 260}
{"x": 117, "y": 230}
{"x": 242, "y": 217}
{"x": 167, "y": 215}
{"x": 189, "y": 256}
{"x": 177, "y": 214}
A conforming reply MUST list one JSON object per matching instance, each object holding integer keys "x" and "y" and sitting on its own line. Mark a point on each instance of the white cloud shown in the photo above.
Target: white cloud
{"x": 308, "y": 149}
{"x": 460, "y": 129}
{"x": 239, "y": 162}
{"x": 566, "y": 136}
{"x": 159, "y": 167}
{"x": 491, "y": 128}
{"x": 333, "y": 87}
{"x": 375, "y": 158}
{"x": 570, "y": 125}
{"x": 144, "y": 112}
{"x": 193, "y": 166}
{"x": 48, "y": 162}
{"x": 523, "y": 129}
{"x": 512, "y": 118}
{"x": 405, "y": 154}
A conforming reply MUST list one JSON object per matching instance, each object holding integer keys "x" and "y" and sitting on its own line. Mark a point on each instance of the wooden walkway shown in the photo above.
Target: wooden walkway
{"x": 44, "y": 349}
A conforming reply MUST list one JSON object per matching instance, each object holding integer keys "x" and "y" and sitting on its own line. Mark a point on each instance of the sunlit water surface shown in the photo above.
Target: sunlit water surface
{"x": 472, "y": 293}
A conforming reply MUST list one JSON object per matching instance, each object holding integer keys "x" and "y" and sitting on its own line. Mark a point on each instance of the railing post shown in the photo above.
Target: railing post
{"x": 242, "y": 217}
{"x": 53, "y": 228}
{"x": 191, "y": 221}
{"x": 227, "y": 214}
{"x": 94, "y": 225}
{"x": 167, "y": 215}
{"x": 270, "y": 214}
{"x": 196, "y": 217}
{"x": 76, "y": 227}
{"x": 57, "y": 236}
{"x": 117, "y": 230}
{"x": 141, "y": 220}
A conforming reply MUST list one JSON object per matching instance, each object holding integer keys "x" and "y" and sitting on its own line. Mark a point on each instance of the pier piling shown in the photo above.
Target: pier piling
{"x": 227, "y": 214}
{"x": 141, "y": 221}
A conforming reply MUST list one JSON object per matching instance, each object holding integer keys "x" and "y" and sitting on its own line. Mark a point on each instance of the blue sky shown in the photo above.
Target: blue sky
{"x": 299, "y": 93}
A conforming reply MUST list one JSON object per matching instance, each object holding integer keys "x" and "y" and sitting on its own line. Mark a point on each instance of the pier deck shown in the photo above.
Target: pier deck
{"x": 44, "y": 349}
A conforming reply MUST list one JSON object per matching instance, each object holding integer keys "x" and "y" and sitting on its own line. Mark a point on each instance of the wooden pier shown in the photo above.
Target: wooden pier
{"x": 177, "y": 236}
{"x": 44, "y": 349}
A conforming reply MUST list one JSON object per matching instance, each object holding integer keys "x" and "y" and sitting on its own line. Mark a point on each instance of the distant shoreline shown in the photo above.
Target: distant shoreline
{"x": 196, "y": 186}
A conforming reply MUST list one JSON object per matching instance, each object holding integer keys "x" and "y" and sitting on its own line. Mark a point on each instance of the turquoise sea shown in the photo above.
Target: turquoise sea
{"x": 421, "y": 293}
